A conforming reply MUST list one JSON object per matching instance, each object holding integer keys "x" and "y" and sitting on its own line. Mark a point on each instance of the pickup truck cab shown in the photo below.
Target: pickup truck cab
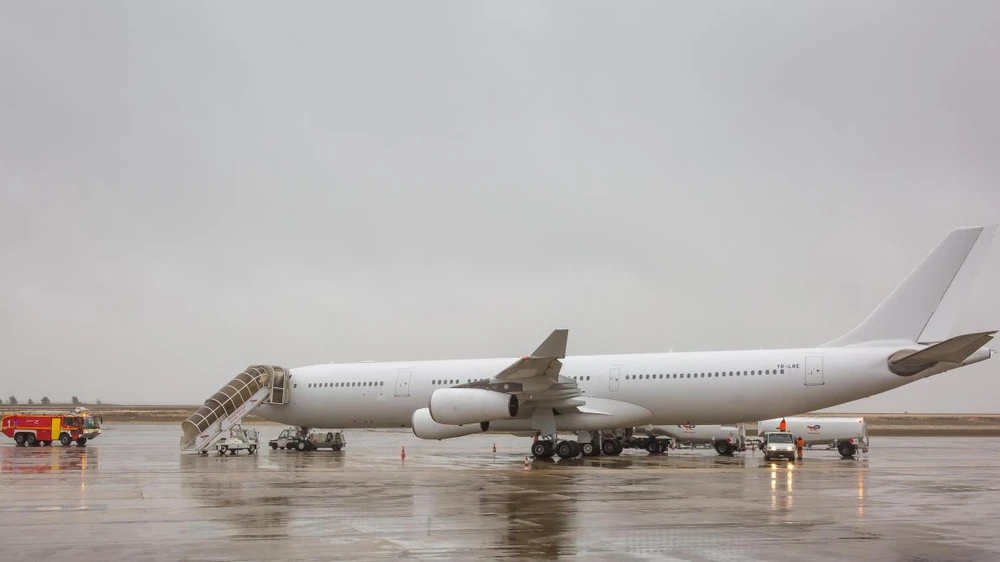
{"x": 778, "y": 444}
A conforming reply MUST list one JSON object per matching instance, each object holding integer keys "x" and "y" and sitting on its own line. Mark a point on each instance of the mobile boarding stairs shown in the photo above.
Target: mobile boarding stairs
{"x": 256, "y": 385}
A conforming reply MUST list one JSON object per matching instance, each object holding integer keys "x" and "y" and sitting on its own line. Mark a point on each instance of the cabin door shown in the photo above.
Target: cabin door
{"x": 403, "y": 382}
{"x": 613, "y": 379}
{"x": 814, "y": 370}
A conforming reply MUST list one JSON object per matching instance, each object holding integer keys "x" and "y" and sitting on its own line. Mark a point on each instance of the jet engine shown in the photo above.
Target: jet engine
{"x": 426, "y": 428}
{"x": 457, "y": 406}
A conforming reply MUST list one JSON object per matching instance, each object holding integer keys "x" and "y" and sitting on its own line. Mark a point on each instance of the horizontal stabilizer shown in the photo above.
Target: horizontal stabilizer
{"x": 952, "y": 351}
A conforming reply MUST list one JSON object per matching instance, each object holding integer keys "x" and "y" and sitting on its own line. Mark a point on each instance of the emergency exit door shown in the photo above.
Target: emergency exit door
{"x": 403, "y": 382}
{"x": 814, "y": 370}
{"x": 613, "y": 378}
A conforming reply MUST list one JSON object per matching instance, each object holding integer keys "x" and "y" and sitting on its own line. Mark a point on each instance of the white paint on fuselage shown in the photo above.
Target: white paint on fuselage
{"x": 323, "y": 395}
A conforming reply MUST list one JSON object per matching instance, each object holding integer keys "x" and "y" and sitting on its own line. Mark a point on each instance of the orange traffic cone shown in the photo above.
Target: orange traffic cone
{"x": 402, "y": 453}
{"x": 526, "y": 466}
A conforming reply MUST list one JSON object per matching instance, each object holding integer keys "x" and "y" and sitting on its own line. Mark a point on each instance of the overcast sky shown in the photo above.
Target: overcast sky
{"x": 190, "y": 188}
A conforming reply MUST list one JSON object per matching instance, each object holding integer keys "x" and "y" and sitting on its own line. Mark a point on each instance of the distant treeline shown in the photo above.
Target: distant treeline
{"x": 74, "y": 401}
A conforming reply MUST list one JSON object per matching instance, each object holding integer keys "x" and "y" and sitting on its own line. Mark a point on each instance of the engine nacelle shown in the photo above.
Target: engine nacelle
{"x": 425, "y": 427}
{"x": 458, "y": 406}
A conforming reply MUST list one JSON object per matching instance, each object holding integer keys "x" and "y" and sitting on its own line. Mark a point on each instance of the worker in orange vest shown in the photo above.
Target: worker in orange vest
{"x": 799, "y": 444}
{"x": 782, "y": 426}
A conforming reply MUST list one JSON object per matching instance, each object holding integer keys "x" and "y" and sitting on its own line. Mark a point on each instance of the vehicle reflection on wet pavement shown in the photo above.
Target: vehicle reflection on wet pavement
{"x": 131, "y": 494}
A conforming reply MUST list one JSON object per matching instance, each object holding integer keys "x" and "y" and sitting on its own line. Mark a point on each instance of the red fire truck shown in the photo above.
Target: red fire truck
{"x": 31, "y": 428}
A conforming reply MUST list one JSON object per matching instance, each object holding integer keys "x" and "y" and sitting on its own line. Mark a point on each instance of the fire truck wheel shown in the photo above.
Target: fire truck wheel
{"x": 81, "y": 442}
{"x": 20, "y": 438}
{"x": 32, "y": 440}
{"x": 65, "y": 439}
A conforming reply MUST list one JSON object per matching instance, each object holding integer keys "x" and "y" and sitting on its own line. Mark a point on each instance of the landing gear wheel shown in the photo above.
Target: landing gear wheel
{"x": 587, "y": 449}
{"x": 654, "y": 447}
{"x": 619, "y": 447}
{"x": 542, "y": 449}
{"x": 65, "y": 439}
{"x": 538, "y": 449}
{"x": 81, "y": 442}
{"x": 566, "y": 449}
{"x": 32, "y": 440}
{"x": 608, "y": 448}
{"x": 576, "y": 448}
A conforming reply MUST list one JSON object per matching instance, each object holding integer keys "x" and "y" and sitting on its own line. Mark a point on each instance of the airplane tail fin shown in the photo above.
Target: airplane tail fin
{"x": 923, "y": 308}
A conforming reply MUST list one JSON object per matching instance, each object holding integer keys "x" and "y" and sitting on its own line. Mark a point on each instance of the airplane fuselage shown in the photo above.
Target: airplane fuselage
{"x": 676, "y": 388}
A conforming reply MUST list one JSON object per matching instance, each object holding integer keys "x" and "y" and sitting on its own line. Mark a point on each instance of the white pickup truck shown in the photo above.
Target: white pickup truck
{"x": 778, "y": 444}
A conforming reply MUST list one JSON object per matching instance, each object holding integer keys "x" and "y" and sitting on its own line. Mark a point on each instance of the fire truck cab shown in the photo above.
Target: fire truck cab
{"x": 35, "y": 429}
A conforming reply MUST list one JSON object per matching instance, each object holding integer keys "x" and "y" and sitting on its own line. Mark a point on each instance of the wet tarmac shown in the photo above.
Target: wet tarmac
{"x": 132, "y": 495}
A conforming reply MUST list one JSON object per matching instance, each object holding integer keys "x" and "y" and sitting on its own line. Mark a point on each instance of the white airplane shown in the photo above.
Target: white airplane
{"x": 908, "y": 337}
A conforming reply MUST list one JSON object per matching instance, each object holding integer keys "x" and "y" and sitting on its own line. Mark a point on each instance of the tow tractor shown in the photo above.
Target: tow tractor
{"x": 239, "y": 439}
{"x": 301, "y": 439}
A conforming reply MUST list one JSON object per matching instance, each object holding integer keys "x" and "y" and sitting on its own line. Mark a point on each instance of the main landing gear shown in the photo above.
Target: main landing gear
{"x": 587, "y": 444}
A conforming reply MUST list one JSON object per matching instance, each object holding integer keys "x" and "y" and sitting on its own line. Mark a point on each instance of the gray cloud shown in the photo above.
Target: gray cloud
{"x": 190, "y": 190}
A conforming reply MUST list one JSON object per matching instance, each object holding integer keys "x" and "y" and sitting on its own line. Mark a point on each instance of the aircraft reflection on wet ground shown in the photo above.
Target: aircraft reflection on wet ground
{"x": 456, "y": 499}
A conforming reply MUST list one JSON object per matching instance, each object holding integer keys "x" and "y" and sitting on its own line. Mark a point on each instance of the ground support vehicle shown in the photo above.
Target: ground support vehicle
{"x": 778, "y": 444}
{"x": 302, "y": 439}
{"x": 847, "y": 435}
{"x": 647, "y": 441}
{"x": 725, "y": 439}
{"x": 237, "y": 440}
{"x": 36, "y": 428}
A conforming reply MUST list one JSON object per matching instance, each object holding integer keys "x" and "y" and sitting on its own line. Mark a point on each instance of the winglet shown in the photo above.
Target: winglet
{"x": 554, "y": 345}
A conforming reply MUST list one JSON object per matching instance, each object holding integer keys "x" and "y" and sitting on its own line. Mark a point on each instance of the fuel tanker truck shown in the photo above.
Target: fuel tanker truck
{"x": 847, "y": 435}
{"x": 726, "y": 439}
